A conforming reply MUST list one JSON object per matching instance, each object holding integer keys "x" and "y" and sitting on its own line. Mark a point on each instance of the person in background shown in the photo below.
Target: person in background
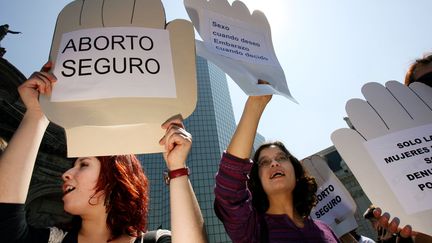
{"x": 420, "y": 71}
{"x": 107, "y": 194}
{"x": 268, "y": 198}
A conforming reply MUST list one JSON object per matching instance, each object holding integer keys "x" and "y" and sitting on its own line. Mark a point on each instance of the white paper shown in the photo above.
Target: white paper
{"x": 240, "y": 44}
{"x": 112, "y": 63}
{"x": 237, "y": 40}
{"x": 404, "y": 158}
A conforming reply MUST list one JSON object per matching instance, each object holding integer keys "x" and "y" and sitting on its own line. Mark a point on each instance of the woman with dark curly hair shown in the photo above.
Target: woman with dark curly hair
{"x": 107, "y": 194}
{"x": 304, "y": 192}
{"x": 268, "y": 199}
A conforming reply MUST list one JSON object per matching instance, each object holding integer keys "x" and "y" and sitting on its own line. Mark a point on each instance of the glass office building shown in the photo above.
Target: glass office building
{"x": 212, "y": 124}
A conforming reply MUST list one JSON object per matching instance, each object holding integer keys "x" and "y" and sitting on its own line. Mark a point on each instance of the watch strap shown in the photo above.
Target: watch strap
{"x": 169, "y": 175}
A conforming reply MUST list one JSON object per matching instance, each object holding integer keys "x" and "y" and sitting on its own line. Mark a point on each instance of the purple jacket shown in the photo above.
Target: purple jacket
{"x": 233, "y": 206}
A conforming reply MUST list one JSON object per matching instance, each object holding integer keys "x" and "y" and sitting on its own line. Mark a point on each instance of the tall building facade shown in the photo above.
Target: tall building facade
{"x": 212, "y": 125}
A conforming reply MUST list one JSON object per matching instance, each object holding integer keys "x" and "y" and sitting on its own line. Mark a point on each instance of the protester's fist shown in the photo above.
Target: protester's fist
{"x": 386, "y": 111}
{"x": 177, "y": 142}
{"x": 38, "y": 83}
{"x": 144, "y": 113}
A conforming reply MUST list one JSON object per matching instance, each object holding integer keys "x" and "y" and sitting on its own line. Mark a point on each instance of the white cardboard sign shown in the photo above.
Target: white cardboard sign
{"x": 332, "y": 203}
{"x": 114, "y": 62}
{"x": 387, "y": 150}
{"x": 404, "y": 159}
{"x": 154, "y": 61}
{"x": 335, "y": 205}
{"x": 239, "y": 43}
{"x": 237, "y": 40}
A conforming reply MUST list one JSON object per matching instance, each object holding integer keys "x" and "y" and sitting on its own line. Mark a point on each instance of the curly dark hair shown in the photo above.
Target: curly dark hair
{"x": 125, "y": 185}
{"x": 409, "y": 77}
{"x": 304, "y": 192}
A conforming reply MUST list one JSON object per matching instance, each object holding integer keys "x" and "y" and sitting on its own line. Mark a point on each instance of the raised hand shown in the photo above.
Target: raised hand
{"x": 261, "y": 100}
{"x": 17, "y": 161}
{"x": 177, "y": 143}
{"x": 187, "y": 223}
{"x": 38, "y": 83}
{"x": 386, "y": 228}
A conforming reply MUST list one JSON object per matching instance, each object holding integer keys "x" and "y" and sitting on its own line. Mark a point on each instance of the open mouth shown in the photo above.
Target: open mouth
{"x": 68, "y": 189}
{"x": 277, "y": 174}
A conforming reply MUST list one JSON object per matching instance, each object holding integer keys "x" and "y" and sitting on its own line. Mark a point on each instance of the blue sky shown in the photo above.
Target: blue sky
{"x": 328, "y": 50}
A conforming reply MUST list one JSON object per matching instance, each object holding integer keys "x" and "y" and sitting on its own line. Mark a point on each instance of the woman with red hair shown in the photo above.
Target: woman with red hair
{"x": 108, "y": 194}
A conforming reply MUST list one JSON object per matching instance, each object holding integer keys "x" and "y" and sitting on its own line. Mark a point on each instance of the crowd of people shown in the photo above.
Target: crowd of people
{"x": 267, "y": 197}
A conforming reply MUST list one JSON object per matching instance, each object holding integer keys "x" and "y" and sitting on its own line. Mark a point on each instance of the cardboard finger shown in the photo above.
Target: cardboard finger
{"x": 420, "y": 113}
{"x": 239, "y": 10}
{"x": 365, "y": 119}
{"x": 143, "y": 13}
{"x": 125, "y": 8}
{"x": 317, "y": 167}
{"x": 385, "y": 104}
{"x": 67, "y": 20}
{"x": 153, "y": 17}
{"x": 91, "y": 15}
{"x": 183, "y": 53}
{"x": 423, "y": 91}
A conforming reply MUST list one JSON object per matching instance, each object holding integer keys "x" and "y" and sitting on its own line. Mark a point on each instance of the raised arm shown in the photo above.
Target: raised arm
{"x": 17, "y": 161}
{"x": 242, "y": 141}
{"x": 187, "y": 223}
{"x": 232, "y": 197}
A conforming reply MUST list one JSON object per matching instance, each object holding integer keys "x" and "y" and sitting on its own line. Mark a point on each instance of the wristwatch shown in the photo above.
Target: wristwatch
{"x": 168, "y": 175}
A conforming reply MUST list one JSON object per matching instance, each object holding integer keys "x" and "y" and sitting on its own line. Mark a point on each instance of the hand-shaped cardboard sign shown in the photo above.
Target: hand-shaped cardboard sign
{"x": 335, "y": 205}
{"x": 390, "y": 150}
{"x": 122, "y": 71}
{"x": 239, "y": 43}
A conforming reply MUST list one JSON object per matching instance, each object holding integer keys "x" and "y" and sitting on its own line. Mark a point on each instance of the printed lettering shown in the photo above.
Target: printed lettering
{"x": 428, "y": 139}
{"x": 70, "y": 44}
{"x": 427, "y": 185}
{"x": 220, "y": 26}
{"x": 328, "y": 206}
{"x": 106, "y": 65}
{"x": 409, "y": 143}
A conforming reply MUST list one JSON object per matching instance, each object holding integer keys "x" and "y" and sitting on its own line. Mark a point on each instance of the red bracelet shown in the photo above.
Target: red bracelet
{"x": 169, "y": 175}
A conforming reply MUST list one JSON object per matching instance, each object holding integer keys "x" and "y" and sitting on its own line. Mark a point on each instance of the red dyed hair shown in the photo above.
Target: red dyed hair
{"x": 125, "y": 185}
